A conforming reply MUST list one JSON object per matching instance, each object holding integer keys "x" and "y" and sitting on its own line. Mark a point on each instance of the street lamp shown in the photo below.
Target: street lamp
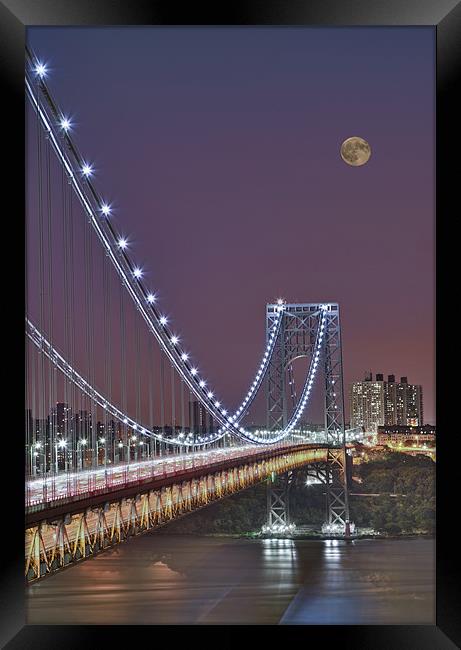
{"x": 33, "y": 455}
{"x": 41, "y": 455}
{"x": 102, "y": 441}
{"x": 133, "y": 439}
{"x": 61, "y": 444}
{"x": 120, "y": 446}
{"x": 80, "y": 445}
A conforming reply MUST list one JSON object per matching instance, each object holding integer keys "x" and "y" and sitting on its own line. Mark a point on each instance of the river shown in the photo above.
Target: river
{"x": 179, "y": 579}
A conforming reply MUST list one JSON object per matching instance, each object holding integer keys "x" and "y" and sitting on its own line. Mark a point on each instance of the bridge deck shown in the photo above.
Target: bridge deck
{"x": 69, "y": 531}
{"x": 67, "y": 487}
{"x": 72, "y": 492}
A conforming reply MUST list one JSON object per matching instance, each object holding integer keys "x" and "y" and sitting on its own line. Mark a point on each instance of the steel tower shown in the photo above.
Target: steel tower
{"x": 297, "y": 339}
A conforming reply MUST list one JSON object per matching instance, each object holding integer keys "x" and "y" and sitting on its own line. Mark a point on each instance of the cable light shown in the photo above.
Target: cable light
{"x": 65, "y": 124}
{"x": 40, "y": 70}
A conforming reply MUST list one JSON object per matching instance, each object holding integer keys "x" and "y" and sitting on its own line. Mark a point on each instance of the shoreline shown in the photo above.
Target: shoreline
{"x": 314, "y": 537}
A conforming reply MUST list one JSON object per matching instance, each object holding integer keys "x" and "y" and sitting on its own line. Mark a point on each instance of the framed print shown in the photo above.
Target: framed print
{"x": 229, "y": 241}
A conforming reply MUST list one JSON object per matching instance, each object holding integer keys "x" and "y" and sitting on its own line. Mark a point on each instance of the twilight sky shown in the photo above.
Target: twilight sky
{"x": 219, "y": 149}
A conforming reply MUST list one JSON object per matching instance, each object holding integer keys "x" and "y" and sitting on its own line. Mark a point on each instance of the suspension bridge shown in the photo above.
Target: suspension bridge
{"x": 123, "y": 431}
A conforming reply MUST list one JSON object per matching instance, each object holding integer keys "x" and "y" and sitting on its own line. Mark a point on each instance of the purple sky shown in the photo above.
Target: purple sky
{"x": 219, "y": 148}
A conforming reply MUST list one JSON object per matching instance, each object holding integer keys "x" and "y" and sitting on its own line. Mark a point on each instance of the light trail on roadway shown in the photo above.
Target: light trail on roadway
{"x": 55, "y": 487}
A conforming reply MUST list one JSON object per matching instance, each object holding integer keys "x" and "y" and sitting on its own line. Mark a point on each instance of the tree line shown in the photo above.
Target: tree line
{"x": 412, "y": 512}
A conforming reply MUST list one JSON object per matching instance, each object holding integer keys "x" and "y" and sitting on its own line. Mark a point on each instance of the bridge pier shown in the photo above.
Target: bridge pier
{"x": 330, "y": 472}
{"x": 337, "y": 521}
{"x": 278, "y": 505}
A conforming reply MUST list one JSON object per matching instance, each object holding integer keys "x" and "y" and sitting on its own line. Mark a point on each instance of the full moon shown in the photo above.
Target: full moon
{"x": 355, "y": 151}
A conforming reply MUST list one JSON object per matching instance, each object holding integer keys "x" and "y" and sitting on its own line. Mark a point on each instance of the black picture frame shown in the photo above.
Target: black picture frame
{"x": 15, "y": 16}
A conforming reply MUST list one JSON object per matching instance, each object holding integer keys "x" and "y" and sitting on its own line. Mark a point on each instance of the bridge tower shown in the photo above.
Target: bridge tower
{"x": 297, "y": 339}
{"x": 278, "y": 502}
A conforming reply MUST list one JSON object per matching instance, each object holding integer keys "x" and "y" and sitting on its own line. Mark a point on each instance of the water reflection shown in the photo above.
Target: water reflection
{"x": 279, "y": 553}
{"x": 280, "y": 547}
{"x": 176, "y": 579}
{"x": 331, "y": 551}
{"x": 169, "y": 561}
{"x": 368, "y": 582}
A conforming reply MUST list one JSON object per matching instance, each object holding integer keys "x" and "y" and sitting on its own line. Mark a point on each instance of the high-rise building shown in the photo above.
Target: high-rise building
{"x": 199, "y": 419}
{"x": 414, "y": 406}
{"x": 367, "y": 404}
{"x": 379, "y": 403}
{"x": 390, "y": 400}
{"x": 63, "y": 417}
{"x": 83, "y": 426}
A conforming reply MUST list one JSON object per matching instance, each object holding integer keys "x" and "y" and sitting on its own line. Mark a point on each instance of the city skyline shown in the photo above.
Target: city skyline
{"x": 379, "y": 401}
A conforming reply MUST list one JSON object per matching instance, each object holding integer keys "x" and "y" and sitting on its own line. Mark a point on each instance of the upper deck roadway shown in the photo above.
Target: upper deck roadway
{"x": 44, "y": 494}
{"x": 45, "y": 490}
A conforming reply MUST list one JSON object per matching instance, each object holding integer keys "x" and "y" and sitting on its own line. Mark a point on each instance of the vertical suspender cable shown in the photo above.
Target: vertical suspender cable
{"x": 94, "y": 423}
{"x": 150, "y": 372}
{"x": 183, "y": 422}
{"x": 69, "y": 430}
{"x": 123, "y": 370}
{"x": 88, "y": 427}
{"x": 137, "y": 378}
{"x": 72, "y": 324}
{"x": 29, "y": 460}
{"x": 33, "y": 407}
{"x": 88, "y": 263}
{"x": 191, "y": 418}
{"x": 173, "y": 403}
{"x": 52, "y": 368}
{"x": 28, "y": 410}
{"x": 162, "y": 400}
{"x": 108, "y": 426}
{"x": 41, "y": 360}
